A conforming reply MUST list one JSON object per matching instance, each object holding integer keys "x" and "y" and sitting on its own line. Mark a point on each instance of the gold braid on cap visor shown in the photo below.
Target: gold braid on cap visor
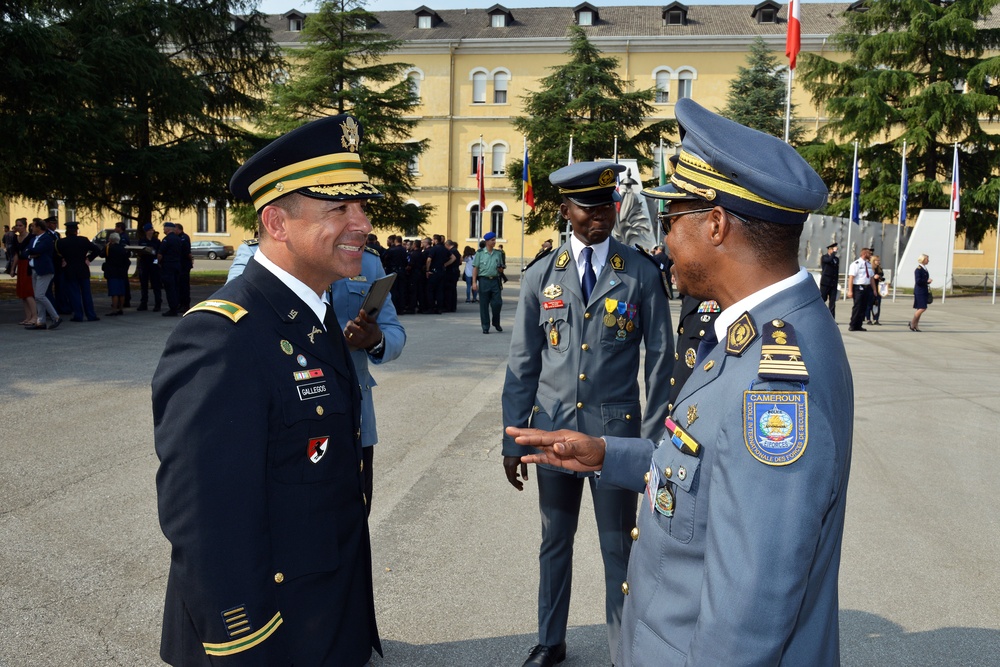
{"x": 338, "y": 169}
{"x": 692, "y": 170}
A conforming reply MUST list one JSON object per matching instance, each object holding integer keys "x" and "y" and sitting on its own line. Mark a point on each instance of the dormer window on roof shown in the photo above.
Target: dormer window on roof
{"x": 766, "y": 12}
{"x": 427, "y": 18}
{"x": 500, "y": 16}
{"x": 586, "y": 14}
{"x": 296, "y": 20}
{"x": 675, "y": 14}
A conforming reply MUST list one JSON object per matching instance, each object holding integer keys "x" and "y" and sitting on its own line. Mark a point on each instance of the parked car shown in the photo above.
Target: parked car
{"x": 101, "y": 239}
{"x": 211, "y": 249}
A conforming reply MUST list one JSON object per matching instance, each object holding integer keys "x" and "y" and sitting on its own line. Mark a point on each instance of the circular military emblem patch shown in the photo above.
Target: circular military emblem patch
{"x": 690, "y": 356}
{"x": 776, "y": 425}
{"x": 286, "y": 347}
{"x": 302, "y": 361}
{"x": 606, "y": 178}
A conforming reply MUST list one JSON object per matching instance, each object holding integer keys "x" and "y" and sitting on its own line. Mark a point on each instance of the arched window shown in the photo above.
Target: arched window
{"x": 685, "y": 79}
{"x": 202, "y": 217}
{"x": 499, "y": 160}
{"x": 474, "y": 223}
{"x": 414, "y": 79}
{"x": 220, "y": 218}
{"x": 663, "y": 86}
{"x": 479, "y": 88}
{"x": 500, "y": 87}
{"x": 496, "y": 220}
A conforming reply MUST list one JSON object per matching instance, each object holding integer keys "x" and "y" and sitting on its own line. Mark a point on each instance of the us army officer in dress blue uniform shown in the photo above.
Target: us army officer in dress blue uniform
{"x": 574, "y": 363}
{"x": 377, "y": 341}
{"x": 738, "y": 544}
{"x": 257, "y": 417}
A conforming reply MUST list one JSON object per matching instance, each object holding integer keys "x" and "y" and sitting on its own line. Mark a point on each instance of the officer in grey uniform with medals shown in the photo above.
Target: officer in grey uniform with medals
{"x": 257, "y": 426}
{"x": 696, "y": 318}
{"x": 739, "y": 534}
{"x": 574, "y": 363}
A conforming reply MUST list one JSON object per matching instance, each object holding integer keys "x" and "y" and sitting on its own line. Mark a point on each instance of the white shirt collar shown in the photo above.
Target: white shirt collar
{"x": 598, "y": 259}
{"x": 303, "y": 291}
{"x": 748, "y": 303}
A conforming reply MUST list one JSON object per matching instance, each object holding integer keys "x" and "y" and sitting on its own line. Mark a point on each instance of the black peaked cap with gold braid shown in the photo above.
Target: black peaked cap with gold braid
{"x": 740, "y": 169}
{"x": 318, "y": 160}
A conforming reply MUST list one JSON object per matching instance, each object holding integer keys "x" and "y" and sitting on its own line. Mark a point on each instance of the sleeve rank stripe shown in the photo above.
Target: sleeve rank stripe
{"x": 234, "y": 611}
{"x": 240, "y": 645}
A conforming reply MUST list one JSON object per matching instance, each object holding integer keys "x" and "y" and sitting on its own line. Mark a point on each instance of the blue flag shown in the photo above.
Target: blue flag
{"x": 856, "y": 193}
{"x": 904, "y": 187}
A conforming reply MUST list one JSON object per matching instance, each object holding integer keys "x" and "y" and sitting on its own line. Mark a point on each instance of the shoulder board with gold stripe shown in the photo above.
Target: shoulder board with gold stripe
{"x": 372, "y": 251}
{"x": 225, "y": 308}
{"x": 780, "y": 357}
{"x": 252, "y": 241}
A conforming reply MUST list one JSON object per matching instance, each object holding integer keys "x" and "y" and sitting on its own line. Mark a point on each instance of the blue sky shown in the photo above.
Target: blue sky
{"x": 282, "y": 6}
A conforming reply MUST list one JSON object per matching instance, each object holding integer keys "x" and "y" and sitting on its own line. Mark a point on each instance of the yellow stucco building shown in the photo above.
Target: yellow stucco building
{"x": 472, "y": 68}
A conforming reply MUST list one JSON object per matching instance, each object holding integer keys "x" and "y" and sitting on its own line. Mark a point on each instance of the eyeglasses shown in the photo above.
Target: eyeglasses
{"x": 666, "y": 217}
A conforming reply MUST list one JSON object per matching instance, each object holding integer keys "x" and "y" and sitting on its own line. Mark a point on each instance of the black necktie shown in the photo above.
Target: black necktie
{"x": 589, "y": 277}
{"x": 336, "y": 335}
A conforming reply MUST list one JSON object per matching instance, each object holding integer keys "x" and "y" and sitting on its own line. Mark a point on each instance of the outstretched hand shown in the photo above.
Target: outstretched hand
{"x": 567, "y": 449}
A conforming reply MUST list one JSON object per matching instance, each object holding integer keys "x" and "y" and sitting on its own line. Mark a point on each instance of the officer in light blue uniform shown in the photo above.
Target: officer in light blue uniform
{"x": 739, "y": 535}
{"x": 574, "y": 363}
{"x": 385, "y": 343}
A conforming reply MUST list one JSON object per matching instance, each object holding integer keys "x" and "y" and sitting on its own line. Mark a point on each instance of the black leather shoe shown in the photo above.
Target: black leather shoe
{"x": 498, "y": 328}
{"x": 546, "y": 656}
{"x": 55, "y": 325}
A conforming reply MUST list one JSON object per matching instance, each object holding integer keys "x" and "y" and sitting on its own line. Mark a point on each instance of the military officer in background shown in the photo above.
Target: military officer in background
{"x": 574, "y": 363}
{"x": 696, "y": 322}
{"x": 170, "y": 257}
{"x": 149, "y": 269}
{"x": 257, "y": 418}
{"x": 830, "y": 277}
{"x": 739, "y": 538}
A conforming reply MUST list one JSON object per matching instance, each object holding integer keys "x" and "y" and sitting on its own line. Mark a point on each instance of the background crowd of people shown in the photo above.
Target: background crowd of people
{"x": 52, "y": 270}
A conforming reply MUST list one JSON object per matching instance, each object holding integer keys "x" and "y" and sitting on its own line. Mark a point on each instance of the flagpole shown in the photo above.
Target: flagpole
{"x": 570, "y": 161}
{"x": 523, "y": 193}
{"x": 788, "y": 103}
{"x": 793, "y": 43}
{"x": 663, "y": 173}
{"x": 953, "y": 212}
{"x": 481, "y": 185}
{"x": 850, "y": 217}
{"x": 901, "y": 221}
{"x": 996, "y": 256}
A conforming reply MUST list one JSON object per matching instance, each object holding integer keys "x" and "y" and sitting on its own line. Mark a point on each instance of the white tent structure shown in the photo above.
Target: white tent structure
{"x": 930, "y": 235}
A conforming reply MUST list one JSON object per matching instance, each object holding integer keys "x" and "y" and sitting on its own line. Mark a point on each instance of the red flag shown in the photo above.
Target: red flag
{"x": 793, "y": 41}
{"x": 529, "y": 191}
{"x": 481, "y": 184}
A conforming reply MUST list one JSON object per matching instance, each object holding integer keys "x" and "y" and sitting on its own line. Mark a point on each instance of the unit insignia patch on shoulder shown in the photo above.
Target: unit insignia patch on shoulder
{"x": 776, "y": 425}
{"x": 616, "y": 262}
